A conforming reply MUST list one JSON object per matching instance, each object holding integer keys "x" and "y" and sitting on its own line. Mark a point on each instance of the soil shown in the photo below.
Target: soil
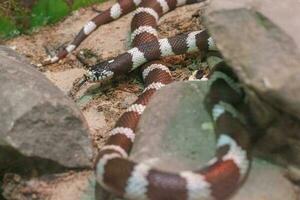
{"x": 101, "y": 105}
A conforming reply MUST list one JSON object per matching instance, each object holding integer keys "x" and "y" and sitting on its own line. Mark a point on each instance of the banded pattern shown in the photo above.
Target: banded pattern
{"x": 217, "y": 180}
{"x": 196, "y": 41}
{"x": 120, "y": 8}
{"x": 138, "y": 181}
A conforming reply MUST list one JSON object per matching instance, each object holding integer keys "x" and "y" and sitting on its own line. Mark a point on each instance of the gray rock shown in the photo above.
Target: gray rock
{"x": 266, "y": 181}
{"x": 175, "y": 133}
{"x": 181, "y": 128}
{"x": 258, "y": 38}
{"x": 40, "y": 128}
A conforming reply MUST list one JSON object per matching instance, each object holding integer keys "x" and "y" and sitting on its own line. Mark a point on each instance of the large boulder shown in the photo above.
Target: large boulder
{"x": 259, "y": 40}
{"x": 176, "y": 133}
{"x": 40, "y": 128}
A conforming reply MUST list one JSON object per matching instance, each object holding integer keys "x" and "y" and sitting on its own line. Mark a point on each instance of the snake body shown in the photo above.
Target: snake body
{"x": 217, "y": 180}
{"x": 122, "y": 7}
{"x": 139, "y": 181}
{"x": 117, "y": 10}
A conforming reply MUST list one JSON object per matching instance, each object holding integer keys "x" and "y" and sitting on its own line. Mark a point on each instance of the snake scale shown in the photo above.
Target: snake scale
{"x": 138, "y": 181}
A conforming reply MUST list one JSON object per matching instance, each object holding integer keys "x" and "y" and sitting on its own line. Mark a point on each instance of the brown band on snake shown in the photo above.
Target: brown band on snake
{"x": 145, "y": 97}
{"x": 162, "y": 77}
{"x": 119, "y": 9}
{"x": 153, "y": 53}
{"x": 112, "y": 170}
{"x": 123, "y": 64}
{"x": 143, "y": 19}
{"x": 99, "y": 20}
{"x": 218, "y": 91}
{"x": 143, "y": 37}
{"x": 236, "y": 129}
{"x": 223, "y": 177}
{"x": 128, "y": 120}
{"x": 121, "y": 141}
{"x": 172, "y": 4}
{"x": 158, "y": 191}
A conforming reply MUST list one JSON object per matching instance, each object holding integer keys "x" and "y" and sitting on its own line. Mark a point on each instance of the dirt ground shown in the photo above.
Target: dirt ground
{"x": 101, "y": 105}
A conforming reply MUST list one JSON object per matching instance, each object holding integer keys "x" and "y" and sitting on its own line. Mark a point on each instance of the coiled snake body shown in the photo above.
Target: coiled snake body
{"x": 138, "y": 181}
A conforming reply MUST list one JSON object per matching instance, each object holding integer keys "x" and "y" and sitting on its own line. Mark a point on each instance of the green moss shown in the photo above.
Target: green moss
{"x": 16, "y": 19}
{"x": 8, "y": 28}
{"x": 45, "y": 12}
{"x": 82, "y": 3}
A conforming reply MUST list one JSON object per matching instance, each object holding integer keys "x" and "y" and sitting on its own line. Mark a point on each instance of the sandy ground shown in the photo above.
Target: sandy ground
{"x": 101, "y": 106}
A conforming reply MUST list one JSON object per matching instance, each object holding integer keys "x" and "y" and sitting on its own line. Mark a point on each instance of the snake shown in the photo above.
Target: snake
{"x": 125, "y": 178}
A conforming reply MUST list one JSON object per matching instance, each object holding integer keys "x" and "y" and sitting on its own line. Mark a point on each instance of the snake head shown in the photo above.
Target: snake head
{"x": 99, "y": 72}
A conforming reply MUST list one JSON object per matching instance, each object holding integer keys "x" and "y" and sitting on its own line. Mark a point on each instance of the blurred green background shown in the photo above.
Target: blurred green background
{"x": 24, "y": 16}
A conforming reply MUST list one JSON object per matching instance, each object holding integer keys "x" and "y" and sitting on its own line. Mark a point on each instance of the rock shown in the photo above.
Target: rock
{"x": 175, "y": 128}
{"x": 267, "y": 182}
{"x": 40, "y": 127}
{"x": 259, "y": 40}
{"x": 181, "y": 130}
{"x": 266, "y": 58}
{"x": 280, "y": 145}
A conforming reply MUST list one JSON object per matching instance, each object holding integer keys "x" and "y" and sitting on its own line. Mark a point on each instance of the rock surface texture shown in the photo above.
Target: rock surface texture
{"x": 40, "y": 127}
{"x": 259, "y": 40}
{"x": 183, "y": 132}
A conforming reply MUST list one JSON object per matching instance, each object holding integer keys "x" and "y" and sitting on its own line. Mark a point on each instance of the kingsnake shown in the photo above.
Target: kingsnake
{"x": 139, "y": 181}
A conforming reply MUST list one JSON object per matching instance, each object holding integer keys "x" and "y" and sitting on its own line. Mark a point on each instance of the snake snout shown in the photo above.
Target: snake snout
{"x": 99, "y": 74}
